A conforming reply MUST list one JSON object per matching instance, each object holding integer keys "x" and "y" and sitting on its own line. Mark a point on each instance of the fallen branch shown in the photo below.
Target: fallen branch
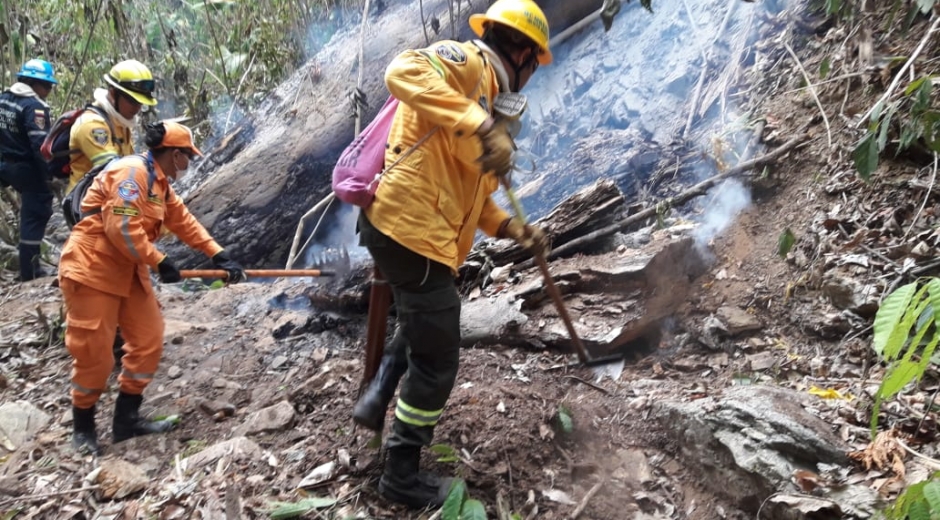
{"x": 588, "y": 383}
{"x": 812, "y": 90}
{"x": 587, "y": 498}
{"x": 695, "y": 191}
{"x": 27, "y": 498}
{"x": 900, "y": 74}
{"x": 931, "y": 463}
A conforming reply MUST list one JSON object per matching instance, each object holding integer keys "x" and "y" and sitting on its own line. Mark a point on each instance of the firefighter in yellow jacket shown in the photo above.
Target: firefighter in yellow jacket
{"x": 426, "y": 212}
{"x": 104, "y": 132}
{"x": 104, "y": 274}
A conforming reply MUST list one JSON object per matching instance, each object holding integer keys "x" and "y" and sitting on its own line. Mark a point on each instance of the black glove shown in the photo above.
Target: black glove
{"x": 168, "y": 272}
{"x": 236, "y": 273}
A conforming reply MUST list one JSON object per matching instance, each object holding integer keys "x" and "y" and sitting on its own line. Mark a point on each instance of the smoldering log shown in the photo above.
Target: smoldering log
{"x": 618, "y": 300}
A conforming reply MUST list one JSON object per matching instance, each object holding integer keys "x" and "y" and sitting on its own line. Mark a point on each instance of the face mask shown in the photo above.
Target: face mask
{"x": 180, "y": 172}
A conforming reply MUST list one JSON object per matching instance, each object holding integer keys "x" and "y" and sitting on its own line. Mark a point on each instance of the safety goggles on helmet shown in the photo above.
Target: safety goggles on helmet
{"x": 141, "y": 86}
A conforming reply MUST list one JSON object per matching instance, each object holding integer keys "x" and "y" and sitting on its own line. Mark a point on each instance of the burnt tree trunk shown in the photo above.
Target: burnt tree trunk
{"x": 283, "y": 164}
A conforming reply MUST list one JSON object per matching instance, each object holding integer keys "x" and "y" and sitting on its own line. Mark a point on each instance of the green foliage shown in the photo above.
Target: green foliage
{"x": 445, "y": 453}
{"x": 785, "y": 242}
{"x": 459, "y": 506}
{"x": 282, "y": 510}
{"x": 906, "y": 334}
{"x": 916, "y": 123}
{"x": 205, "y": 54}
{"x": 565, "y": 422}
{"x": 918, "y": 501}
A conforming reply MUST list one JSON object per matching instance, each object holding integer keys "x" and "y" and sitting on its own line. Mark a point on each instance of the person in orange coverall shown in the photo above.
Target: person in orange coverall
{"x": 105, "y": 280}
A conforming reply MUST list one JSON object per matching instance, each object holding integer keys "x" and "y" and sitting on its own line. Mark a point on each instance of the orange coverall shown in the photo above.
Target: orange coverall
{"x": 104, "y": 277}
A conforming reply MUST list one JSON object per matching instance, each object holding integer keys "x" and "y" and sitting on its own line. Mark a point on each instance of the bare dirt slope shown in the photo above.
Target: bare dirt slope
{"x": 264, "y": 384}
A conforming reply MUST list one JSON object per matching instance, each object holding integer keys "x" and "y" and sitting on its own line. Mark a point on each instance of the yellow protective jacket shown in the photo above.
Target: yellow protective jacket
{"x": 91, "y": 136}
{"x": 434, "y": 200}
{"x": 115, "y": 242}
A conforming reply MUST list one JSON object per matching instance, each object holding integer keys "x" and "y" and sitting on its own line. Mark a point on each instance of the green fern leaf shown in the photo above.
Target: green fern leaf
{"x": 919, "y": 511}
{"x": 932, "y": 494}
{"x": 889, "y": 316}
{"x": 473, "y": 510}
{"x": 454, "y": 501}
{"x": 897, "y": 377}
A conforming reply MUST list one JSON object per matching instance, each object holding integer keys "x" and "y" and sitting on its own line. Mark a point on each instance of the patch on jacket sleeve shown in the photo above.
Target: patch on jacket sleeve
{"x": 99, "y": 135}
{"x": 451, "y": 52}
{"x": 130, "y": 212}
{"x": 40, "y": 119}
{"x": 128, "y": 191}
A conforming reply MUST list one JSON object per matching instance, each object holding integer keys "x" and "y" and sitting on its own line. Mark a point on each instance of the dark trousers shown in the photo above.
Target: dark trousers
{"x": 35, "y": 211}
{"x": 429, "y": 322}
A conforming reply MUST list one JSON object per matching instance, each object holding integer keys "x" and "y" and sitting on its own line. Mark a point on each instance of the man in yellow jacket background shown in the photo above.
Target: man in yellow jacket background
{"x": 427, "y": 209}
{"x": 104, "y": 275}
{"x": 105, "y": 132}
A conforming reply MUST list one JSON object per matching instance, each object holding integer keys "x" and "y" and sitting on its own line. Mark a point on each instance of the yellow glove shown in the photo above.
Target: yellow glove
{"x": 527, "y": 236}
{"x": 497, "y": 147}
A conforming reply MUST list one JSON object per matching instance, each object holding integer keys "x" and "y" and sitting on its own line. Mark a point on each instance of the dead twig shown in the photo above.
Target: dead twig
{"x": 931, "y": 463}
{"x": 900, "y": 74}
{"x": 933, "y": 178}
{"x": 29, "y": 498}
{"x": 587, "y": 498}
{"x": 588, "y": 383}
{"x": 812, "y": 91}
{"x": 695, "y": 191}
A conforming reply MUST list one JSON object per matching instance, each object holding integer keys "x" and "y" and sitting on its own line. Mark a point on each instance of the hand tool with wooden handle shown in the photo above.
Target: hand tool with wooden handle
{"x": 254, "y": 273}
{"x": 550, "y": 286}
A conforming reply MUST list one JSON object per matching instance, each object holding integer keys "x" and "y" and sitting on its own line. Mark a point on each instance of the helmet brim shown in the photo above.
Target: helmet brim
{"x": 478, "y": 26}
{"x": 143, "y": 99}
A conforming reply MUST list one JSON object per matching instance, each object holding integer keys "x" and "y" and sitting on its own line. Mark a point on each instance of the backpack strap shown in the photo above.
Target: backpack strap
{"x": 151, "y": 178}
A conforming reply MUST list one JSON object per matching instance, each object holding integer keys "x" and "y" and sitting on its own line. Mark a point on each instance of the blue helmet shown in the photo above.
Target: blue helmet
{"x": 38, "y": 69}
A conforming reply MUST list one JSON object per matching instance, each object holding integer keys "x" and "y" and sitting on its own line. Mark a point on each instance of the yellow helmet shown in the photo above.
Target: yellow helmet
{"x": 134, "y": 79}
{"x": 522, "y": 15}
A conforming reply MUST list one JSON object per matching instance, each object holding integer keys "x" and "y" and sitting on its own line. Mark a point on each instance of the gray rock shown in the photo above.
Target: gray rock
{"x": 737, "y": 320}
{"x": 119, "y": 478}
{"x": 174, "y": 372}
{"x": 852, "y": 295}
{"x": 238, "y": 448}
{"x": 19, "y": 421}
{"x": 273, "y": 418}
{"x": 746, "y": 444}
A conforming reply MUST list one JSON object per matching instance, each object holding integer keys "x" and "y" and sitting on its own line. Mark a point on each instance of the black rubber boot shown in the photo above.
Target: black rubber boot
{"x": 29, "y": 262}
{"x": 84, "y": 436}
{"x": 370, "y": 409}
{"x": 127, "y": 422}
{"x": 402, "y": 483}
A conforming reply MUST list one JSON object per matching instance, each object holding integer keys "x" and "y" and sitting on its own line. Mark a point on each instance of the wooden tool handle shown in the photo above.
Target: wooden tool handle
{"x": 254, "y": 273}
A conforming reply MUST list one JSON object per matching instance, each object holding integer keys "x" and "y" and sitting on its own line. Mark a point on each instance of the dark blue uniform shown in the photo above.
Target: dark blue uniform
{"x": 24, "y": 123}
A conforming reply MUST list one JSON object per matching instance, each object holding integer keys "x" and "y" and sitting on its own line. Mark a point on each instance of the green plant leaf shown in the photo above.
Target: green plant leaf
{"x": 919, "y": 511}
{"x": 785, "y": 242}
{"x": 282, "y": 510}
{"x": 454, "y": 501}
{"x": 932, "y": 494}
{"x": 824, "y": 67}
{"x": 218, "y": 284}
{"x": 897, "y": 377}
{"x": 564, "y": 420}
{"x": 473, "y": 510}
{"x": 925, "y": 6}
{"x": 445, "y": 453}
{"x": 865, "y": 156}
{"x": 889, "y": 316}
